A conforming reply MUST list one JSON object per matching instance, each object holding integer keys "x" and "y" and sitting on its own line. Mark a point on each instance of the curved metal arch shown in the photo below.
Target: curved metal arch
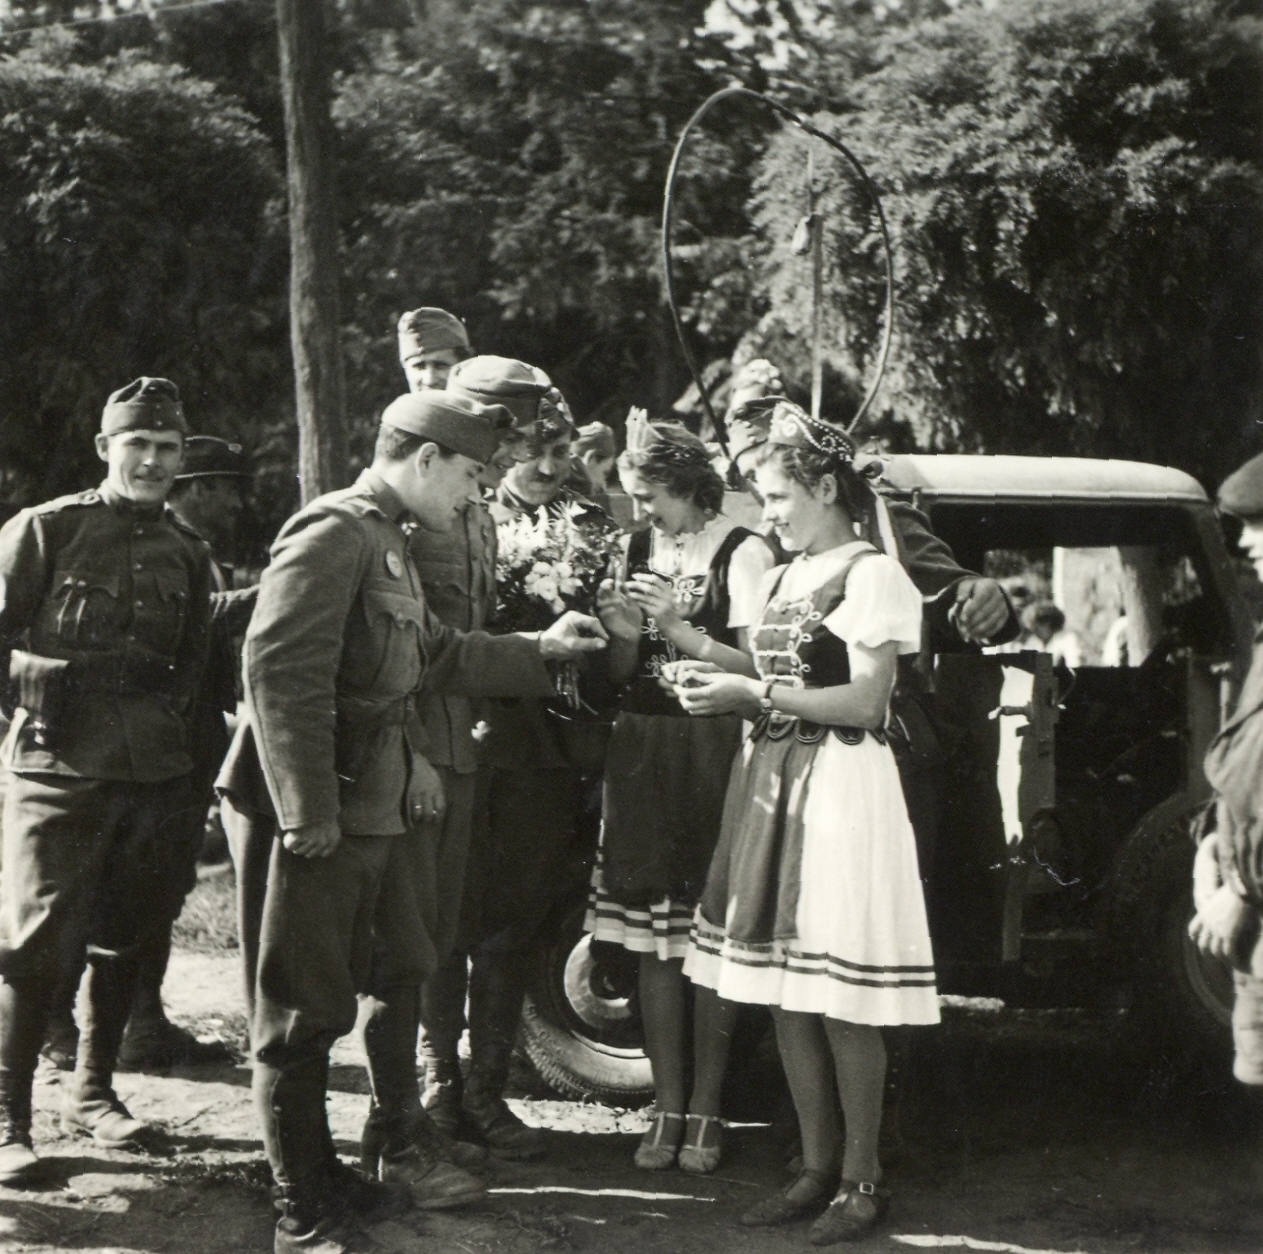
{"x": 668, "y": 204}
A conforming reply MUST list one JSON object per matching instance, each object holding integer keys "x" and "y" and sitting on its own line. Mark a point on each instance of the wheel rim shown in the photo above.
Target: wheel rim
{"x": 588, "y": 1008}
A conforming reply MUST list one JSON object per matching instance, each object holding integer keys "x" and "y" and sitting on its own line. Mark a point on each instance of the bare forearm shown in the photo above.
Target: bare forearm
{"x": 861, "y": 703}
{"x": 693, "y": 643}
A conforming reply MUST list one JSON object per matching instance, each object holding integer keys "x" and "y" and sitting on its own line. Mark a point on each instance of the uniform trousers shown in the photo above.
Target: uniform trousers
{"x": 316, "y": 933}
{"x": 89, "y": 866}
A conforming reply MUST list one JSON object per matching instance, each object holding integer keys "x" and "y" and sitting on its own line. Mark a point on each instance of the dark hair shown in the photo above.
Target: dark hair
{"x": 808, "y": 466}
{"x": 1043, "y": 614}
{"x": 675, "y": 458}
{"x": 394, "y": 445}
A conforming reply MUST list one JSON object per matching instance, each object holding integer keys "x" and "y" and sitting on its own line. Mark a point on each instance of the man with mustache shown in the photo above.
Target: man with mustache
{"x": 104, "y": 611}
{"x": 327, "y": 781}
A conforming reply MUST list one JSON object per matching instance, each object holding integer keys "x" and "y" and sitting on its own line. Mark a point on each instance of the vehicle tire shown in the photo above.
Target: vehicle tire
{"x": 1178, "y": 992}
{"x": 580, "y": 1022}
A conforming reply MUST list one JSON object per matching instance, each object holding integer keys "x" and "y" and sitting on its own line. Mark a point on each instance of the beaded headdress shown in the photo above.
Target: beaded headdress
{"x": 793, "y": 427}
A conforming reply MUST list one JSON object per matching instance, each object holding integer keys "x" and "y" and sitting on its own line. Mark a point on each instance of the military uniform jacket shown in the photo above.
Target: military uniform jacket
{"x": 1234, "y": 767}
{"x": 339, "y": 650}
{"x": 458, "y": 575}
{"x": 104, "y": 611}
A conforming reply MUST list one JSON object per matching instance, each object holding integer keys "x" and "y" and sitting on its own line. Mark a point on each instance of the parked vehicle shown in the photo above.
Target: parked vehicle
{"x": 1062, "y": 870}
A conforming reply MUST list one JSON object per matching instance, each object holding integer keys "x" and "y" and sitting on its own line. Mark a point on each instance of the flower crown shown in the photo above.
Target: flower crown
{"x": 793, "y": 427}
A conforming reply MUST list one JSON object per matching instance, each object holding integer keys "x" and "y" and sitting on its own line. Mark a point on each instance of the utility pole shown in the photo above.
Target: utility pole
{"x": 320, "y": 386}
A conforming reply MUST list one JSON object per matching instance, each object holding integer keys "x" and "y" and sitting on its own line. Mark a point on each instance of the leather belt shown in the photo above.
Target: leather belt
{"x": 776, "y": 725}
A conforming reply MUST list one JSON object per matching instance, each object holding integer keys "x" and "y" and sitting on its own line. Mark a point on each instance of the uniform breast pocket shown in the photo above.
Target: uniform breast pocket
{"x": 162, "y": 608}
{"x": 85, "y": 608}
{"x": 395, "y": 621}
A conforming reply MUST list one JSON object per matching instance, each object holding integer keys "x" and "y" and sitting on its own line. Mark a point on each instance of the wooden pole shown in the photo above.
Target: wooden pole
{"x": 319, "y": 381}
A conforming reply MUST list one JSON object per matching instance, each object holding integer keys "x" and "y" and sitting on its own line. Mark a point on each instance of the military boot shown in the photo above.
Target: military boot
{"x": 18, "y": 1162}
{"x": 320, "y": 1223}
{"x": 410, "y": 1151}
{"x": 91, "y": 1107}
{"x": 495, "y": 1006}
{"x": 442, "y": 1023}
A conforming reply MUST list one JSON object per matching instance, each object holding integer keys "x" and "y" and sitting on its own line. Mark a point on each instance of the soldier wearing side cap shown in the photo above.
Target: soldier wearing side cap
{"x": 431, "y": 342}
{"x": 1228, "y": 875}
{"x": 104, "y": 609}
{"x": 328, "y": 772}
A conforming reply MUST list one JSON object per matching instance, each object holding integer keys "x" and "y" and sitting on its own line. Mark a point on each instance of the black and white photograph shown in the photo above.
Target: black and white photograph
{"x": 631, "y": 626}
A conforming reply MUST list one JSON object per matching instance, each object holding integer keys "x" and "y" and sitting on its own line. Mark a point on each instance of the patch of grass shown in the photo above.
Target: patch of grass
{"x": 208, "y": 923}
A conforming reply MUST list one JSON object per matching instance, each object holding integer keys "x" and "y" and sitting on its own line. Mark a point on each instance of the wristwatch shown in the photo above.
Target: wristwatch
{"x": 765, "y": 701}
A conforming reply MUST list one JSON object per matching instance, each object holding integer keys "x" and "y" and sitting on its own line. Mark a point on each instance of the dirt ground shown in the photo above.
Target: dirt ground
{"x": 1018, "y": 1131}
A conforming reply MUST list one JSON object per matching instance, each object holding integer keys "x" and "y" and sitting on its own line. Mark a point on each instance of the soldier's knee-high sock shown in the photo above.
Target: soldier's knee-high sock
{"x": 497, "y": 986}
{"x": 290, "y": 1102}
{"x": 23, "y": 1014}
{"x": 443, "y": 1021}
{"x": 151, "y": 970}
{"x": 390, "y": 1042}
{"x": 107, "y": 997}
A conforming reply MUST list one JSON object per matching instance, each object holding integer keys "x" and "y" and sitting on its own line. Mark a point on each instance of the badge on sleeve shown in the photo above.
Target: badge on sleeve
{"x": 394, "y": 564}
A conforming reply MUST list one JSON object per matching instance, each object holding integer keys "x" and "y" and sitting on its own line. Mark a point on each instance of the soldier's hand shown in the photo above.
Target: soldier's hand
{"x": 1220, "y": 923}
{"x": 426, "y": 799}
{"x": 984, "y": 609}
{"x": 316, "y": 840}
{"x": 573, "y": 633}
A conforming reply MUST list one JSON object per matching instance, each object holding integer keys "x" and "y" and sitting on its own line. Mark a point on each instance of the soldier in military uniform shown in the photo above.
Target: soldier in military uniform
{"x": 329, "y": 773}
{"x": 431, "y": 342}
{"x": 105, "y": 605}
{"x": 1228, "y": 876}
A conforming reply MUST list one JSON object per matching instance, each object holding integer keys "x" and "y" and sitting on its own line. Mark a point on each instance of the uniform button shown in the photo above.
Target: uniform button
{"x": 138, "y": 566}
{"x": 140, "y": 605}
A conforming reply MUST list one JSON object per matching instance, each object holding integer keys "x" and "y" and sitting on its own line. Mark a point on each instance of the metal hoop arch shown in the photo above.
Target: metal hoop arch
{"x": 668, "y": 205}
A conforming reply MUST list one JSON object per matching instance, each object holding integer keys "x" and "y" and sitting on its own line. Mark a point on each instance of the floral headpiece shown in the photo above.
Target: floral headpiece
{"x": 794, "y": 427}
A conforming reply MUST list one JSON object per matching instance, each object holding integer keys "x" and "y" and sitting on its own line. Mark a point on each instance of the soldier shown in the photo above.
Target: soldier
{"x": 1228, "y": 877}
{"x": 431, "y": 342}
{"x": 327, "y": 772}
{"x": 107, "y": 594}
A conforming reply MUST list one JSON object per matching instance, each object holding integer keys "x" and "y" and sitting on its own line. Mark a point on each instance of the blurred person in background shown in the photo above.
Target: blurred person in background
{"x": 431, "y": 342}
{"x": 592, "y": 454}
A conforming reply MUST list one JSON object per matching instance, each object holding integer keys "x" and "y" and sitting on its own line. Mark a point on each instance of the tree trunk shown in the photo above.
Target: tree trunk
{"x": 313, "y": 240}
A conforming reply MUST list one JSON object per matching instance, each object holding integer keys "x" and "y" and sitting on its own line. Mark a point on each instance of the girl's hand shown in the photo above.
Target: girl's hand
{"x": 684, "y": 671}
{"x": 618, "y": 615}
{"x": 708, "y": 694}
{"x": 656, "y": 597}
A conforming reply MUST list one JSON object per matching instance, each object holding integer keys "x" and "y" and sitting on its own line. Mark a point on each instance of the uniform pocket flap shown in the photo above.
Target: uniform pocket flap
{"x": 402, "y": 608}
{"x": 83, "y": 581}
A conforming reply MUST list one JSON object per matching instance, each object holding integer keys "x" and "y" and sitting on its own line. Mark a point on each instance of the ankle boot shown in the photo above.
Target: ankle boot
{"x": 22, "y": 1012}
{"x": 91, "y": 1107}
{"x": 442, "y": 1023}
{"x": 410, "y": 1151}
{"x": 319, "y": 1221}
{"x": 495, "y": 1006}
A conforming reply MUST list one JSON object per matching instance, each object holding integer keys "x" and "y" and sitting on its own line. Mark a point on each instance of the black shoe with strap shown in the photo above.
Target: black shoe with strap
{"x": 858, "y": 1208}
{"x": 807, "y": 1195}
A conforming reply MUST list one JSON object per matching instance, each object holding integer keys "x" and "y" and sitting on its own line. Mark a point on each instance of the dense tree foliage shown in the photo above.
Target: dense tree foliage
{"x": 140, "y": 233}
{"x": 1077, "y": 196}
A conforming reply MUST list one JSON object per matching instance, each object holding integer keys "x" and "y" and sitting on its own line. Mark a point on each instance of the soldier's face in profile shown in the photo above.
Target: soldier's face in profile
{"x": 142, "y": 464}
{"x": 430, "y": 368}
{"x": 444, "y": 486}
{"x": 1252, "y": 543}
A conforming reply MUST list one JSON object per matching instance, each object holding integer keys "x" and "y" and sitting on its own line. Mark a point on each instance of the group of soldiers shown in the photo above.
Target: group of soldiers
{"x": 390, "y": 844}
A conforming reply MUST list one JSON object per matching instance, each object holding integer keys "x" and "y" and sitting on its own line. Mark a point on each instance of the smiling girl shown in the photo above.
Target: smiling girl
{"x": 690, "y": 586}
{"x": 813, "y": 904}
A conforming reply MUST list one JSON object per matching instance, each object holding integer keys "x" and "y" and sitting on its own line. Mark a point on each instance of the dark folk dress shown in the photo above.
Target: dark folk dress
{"x": 666, "y": 773}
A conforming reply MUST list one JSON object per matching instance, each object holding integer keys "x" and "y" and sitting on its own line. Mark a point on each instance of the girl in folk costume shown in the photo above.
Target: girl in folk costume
{"x": 813, "y": 905}
{"x": 690, "y": 585}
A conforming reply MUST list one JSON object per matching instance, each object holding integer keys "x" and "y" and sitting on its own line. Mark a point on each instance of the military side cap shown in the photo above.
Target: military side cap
{"x": 1241, "y": 493}
{"x": 503, "y": 381}
{"x": 207, "y": 455}
{"x": 144, "y": 405}
{"x": 456, "y": 422}
{"x": 430, "y": 330}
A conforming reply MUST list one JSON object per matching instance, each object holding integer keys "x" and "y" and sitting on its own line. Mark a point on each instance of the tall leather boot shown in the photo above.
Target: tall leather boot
{"x": 496, "y": 990}
{"x": 400, "y": 1144}
{"x": 22, "y": 1015}
{"x": 91, "y": 1107}
{"x": 442, "y": 1023}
